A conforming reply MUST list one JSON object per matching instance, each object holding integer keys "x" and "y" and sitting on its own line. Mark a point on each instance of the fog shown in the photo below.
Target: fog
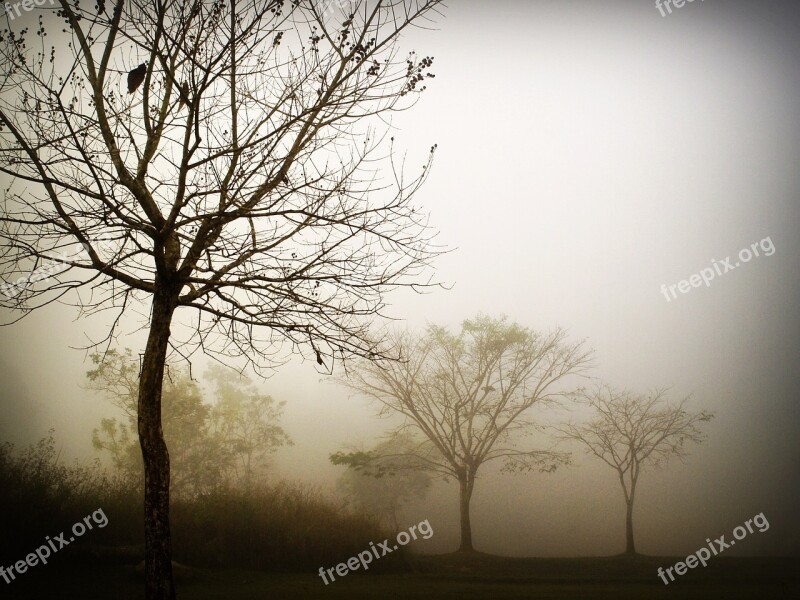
{"x": 588, "y": 153}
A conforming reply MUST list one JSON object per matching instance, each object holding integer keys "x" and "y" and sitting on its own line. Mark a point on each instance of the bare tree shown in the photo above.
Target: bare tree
{"x": 236, "y": 185}
{"x": 468, "y": 394}
{"x": 632, "y": 431}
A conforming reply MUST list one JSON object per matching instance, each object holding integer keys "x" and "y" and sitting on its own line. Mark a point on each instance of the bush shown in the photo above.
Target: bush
{"x": 41, "y": 496}
{"x": 282, "y": 527}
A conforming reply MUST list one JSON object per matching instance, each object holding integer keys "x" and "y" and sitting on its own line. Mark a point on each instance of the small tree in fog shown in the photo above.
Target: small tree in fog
{"x": 468, "y": 394}
{"x": 223, "y": 442}
{"x": 222, "y": 166}
{"x": 380, "y": 488}
{"x": 198, "y": 461}
{"x": 246, "y": 422}
{"x": 632, "y": 431}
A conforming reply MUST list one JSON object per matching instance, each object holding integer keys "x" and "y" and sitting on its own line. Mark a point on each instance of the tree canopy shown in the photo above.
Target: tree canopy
{"x": 222, "y": 442}
{"x": 380, "y": 488}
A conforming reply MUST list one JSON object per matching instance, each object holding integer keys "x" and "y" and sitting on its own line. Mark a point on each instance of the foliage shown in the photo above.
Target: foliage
{"x": 246, "y": 422}
{"x": 225, "y": 443}
{"x": 41, "y": 496}
{"x": 379, "y": 482}
{"x": 279, "y": 526}
{"x": 276, "y": 527}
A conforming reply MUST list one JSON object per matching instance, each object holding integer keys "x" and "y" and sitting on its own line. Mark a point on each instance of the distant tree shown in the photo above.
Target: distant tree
{"x": 246, "y": 423}
{"x": 381, "y": 486}
{"x": 116, "y": 376}
{"x": 468, "y": 394}
{"x": 211, "y": 440}
{"x": 632, "y": 431}
{"x": 269, "y": 210}
{"x": 199, "y": 460}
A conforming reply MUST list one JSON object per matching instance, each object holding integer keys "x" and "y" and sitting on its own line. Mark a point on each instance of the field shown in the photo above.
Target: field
{"x": 443, "y": 577}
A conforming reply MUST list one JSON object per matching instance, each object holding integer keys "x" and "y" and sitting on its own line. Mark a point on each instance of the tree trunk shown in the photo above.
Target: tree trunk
{"x": 464, "y": 496}
{"x": 629, "y": 546}
{"x": 159, "y": 584}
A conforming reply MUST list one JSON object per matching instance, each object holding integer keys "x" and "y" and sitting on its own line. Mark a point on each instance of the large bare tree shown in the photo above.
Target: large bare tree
{"x": 630, "y": 431}
{"x": 219, "y": 163}
{"x": 468, "y": 394}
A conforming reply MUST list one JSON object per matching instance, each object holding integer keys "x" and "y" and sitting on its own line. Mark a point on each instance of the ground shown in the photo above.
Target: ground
{"x": 442, "y": 577}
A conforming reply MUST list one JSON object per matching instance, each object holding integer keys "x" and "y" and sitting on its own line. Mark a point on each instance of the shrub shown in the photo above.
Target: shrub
{"x": 280, "y": 527}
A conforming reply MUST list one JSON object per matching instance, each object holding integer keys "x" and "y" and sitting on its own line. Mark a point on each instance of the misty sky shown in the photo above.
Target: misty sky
{"x": 588, "y": 152}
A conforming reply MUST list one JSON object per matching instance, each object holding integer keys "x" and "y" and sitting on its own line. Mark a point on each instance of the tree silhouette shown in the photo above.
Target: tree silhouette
{"x": 468, "y": 394}
{"x": 631, "y": 431}
{"x": 255, "y": 221}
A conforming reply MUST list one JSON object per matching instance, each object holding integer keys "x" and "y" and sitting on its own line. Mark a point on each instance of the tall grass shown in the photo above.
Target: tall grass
{"x": 279, "y": 527}
{"x": 41, "y": 496}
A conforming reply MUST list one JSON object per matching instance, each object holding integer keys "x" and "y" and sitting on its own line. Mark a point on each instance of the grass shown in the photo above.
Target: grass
{"x": 442, "y": 577}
